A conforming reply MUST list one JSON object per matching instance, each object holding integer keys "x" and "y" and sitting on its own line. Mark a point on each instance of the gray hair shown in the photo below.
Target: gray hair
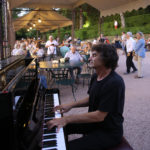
{"x": 73, "y": 46}
{"x": 141, "y": 34}
{"x": 130, "y": 34}
{"x": 50, "y": 36}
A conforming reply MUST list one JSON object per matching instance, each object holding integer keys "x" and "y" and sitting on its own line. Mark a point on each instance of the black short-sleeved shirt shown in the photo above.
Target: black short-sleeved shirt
{"x": 108, "y": 95}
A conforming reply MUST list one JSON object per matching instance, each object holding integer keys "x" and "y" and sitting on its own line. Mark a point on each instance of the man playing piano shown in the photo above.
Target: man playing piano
{"x": 102, "y": 125}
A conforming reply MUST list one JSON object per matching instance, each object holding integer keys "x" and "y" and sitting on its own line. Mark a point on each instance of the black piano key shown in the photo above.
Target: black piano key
{"x": 46, "y": 119}
{"x": 47, "y": 131}
{"x": 49, "y": 109}
{"x": 51, "y": 143}
{"x": 47, "y": 114}
{"x": 52, "y": 149}
{"x": 50, "y": 136}
{"x": 49, "y": 103}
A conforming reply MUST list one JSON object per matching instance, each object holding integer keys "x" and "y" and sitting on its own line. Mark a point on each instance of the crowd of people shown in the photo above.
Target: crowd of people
{"x": 133, "y": 47}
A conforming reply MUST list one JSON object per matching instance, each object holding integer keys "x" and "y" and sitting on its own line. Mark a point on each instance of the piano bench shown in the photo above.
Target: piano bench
{"x": 124, "y": 145}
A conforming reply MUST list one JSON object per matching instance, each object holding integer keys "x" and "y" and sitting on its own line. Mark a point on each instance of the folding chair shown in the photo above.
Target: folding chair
{"x": 61, "y": 76}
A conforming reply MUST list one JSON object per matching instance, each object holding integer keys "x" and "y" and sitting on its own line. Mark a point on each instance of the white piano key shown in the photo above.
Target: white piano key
{"x": 16, "y": 101}
{"x": 49, "y": 148}
{"x": 49, "y": 134}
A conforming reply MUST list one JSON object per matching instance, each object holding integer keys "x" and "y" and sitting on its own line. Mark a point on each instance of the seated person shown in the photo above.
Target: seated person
{"x": 82, "y": 46}
{"x": 39, "y": 52}
{"x": 117, "y": 42}
{"x": 74, "y": 59}
{"x": 102, "y": 125}
{"x": 17, "y": 51}
{"x": 64, "y": 49}
{"x": 87, "y": 51}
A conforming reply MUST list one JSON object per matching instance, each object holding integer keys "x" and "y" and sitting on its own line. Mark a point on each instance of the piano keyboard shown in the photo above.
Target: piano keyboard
{"x": 51, "y": 139}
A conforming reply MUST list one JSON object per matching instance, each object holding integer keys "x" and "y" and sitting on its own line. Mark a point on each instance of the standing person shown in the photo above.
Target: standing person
{"x": 123, "y": 42}
{"x": 51, "y": 47}
{"x": 102, "y": 125}
{"x": 102, "y": 39}
{"x": 115, "y": 24}
{"x": 140, "y": 51}
{"x": 130, "y": 46}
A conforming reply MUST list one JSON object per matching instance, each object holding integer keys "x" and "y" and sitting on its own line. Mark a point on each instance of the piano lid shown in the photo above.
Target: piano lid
{"x": 13, "y": 72}
{"x": 8, "y": 61}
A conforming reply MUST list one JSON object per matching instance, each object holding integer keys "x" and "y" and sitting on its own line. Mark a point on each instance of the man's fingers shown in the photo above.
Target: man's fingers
{"x": 58, "y": 128}
{"x": 57, "y": 108}
{"x": 50, "y": 124}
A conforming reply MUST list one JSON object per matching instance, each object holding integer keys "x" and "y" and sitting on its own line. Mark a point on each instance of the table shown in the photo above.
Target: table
{"x": 50, "y": 65}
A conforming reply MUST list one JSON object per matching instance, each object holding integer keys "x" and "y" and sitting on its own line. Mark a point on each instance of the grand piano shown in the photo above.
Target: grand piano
{"x": 25, "y": 106}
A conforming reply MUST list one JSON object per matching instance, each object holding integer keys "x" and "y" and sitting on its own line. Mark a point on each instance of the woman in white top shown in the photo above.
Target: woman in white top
{"x": 17, "y": 51}
{"x": 39, "y": 52}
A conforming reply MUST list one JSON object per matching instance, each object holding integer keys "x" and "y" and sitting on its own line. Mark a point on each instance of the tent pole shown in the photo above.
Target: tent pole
{"x": 100, "y": 23}
{"x": 37, "y": 34}
{"x": 11, "y": 32}
{"x": 6, "y": 30}
{"x": 1, "y": 33}
{"x": 73, "y": 24}
{"x": 122, "y": 20}
{"x": 59, "y": 33}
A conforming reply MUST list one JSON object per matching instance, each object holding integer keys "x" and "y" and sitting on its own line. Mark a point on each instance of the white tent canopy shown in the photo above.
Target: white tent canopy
{"x": 107, "y": 7}
{"x": 50, "y": 20}
{"x": 45, "y": 3}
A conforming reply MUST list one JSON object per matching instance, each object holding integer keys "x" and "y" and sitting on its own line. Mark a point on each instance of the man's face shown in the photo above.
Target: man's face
{"x": 73, "y": 49}
{"x": 51, "y": 38}
{"x": 138, "y": 36}
{"x": 95, "y": 60}
{"x": 127, "y": 36}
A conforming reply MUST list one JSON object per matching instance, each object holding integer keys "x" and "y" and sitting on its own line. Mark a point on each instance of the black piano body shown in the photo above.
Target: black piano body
{"x": 21, "y": 98}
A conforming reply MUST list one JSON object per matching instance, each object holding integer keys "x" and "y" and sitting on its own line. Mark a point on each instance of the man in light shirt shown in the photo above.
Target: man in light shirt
{"x": 51, "y": 47}
{"x": 130, "y": 46}
{"x": 74, "y": 59}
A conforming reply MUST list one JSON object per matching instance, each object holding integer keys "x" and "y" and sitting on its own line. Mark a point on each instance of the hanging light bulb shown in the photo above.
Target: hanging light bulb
{"x": 30, "y": 28}
{"x": 34, "y": 25}
{"x": 39, "y": 20}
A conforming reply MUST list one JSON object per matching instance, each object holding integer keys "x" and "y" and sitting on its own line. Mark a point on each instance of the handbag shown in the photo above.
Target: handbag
{"x": 135, "y": 57}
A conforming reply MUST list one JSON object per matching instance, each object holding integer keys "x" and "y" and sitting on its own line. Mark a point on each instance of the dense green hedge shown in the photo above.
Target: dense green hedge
{"x": 87, "y": 33}
{"x": 133, "y": 24}
{"x": 140, "y": 20}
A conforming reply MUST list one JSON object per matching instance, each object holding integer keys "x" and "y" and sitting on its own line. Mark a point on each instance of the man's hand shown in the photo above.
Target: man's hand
{"x": 63, "y": 108}
{"x": 128, "y": 54}
{"x": 58, "y": 122}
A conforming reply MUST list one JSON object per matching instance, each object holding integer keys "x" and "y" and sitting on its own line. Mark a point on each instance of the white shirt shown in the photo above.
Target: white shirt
{"x": 74, "y": 57}
{"x": 40, "y": 53}
{"x": 51, "y": 49}
{"x": 94, "y": 41}
{"x": 123, "y": 38}
{"x": 115, "y": 23}
{"x": 130, "y": 44}
{"x": 17, "y": 52}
